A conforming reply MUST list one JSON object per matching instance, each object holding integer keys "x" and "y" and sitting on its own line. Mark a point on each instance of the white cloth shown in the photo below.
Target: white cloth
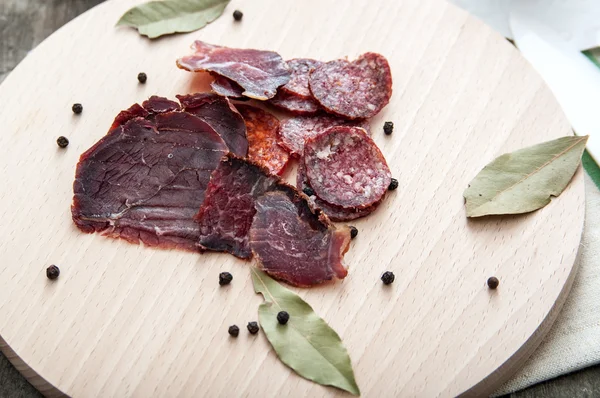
{"x": 573, "y": 342}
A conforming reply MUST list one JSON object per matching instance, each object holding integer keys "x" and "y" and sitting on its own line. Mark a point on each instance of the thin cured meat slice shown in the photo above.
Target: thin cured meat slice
{"x": 258, "y": 72}
{"x": 261, "y": 130}
{"x": 296, "y": 130}
{"x": 354, "y": 90}
{"x": 345, "y": 168}
{"x": 293, "y": 244}
{"x": 222, "y": 116}
{"x": 298, "y": 84}
{"x": 335, "y": 213}
{"x": 295, "y": 104}
{"x": 228, "y": 209}
{"x": 152, "y": 106}
{"x": 227, "y": 88}
{"x": 145, "y": 180}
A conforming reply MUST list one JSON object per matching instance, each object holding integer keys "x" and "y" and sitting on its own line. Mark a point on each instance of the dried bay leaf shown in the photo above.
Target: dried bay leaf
{"x": 306, "y": 343}
{"x": 524, "y": 180}
{"x": 158, "y": 18}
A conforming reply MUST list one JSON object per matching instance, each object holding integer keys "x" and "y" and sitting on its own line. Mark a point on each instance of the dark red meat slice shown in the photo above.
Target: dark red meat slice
{"x": 296, "y": 130}
{"x": 261, "y": 130}
{"x": 345, "y": 168}
{"x": 145, "y": 180}
{"x": 157, "y": 104}
{"x": 136, "y": 110}
{"x": 222, "y": 116}
{"x": 295, "y": 104}
{"x": 355, "y": 90}
{"x": 293, "y": 244}
{"x": 298, "y": 84}
{"x": 335, "y": 213}
{"x": 227, "y": 88}
{"x": 258, "y": 72}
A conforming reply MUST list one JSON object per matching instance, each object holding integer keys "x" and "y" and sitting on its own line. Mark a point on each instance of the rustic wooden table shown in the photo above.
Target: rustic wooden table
{"x": 23, "y": 25}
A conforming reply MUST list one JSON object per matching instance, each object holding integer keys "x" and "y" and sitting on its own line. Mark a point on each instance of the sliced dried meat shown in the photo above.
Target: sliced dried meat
{"x": 345, "y": 168}
{"x": 293, "y": 244}
{"x": 157, "y": 105}
{"x": 222, "y": 116}
{"x": 354, "y": 90}
{"x": 227, "y": 88}
{"x": 335, "y": 213}
{"x": 295, "y": 104}
{"x": 294, "y": 131}
{"x": 298, "y": 84}
{"x": 145, "y": 180}
{"x": 258, "y": 72}
{"x": 261, "y": 131}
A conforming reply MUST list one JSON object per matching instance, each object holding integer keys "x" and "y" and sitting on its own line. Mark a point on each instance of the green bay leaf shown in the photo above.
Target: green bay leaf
{"x": 306, "y": 343}
{"x": 158, "y": 18}
{"x": 524, "y": 180}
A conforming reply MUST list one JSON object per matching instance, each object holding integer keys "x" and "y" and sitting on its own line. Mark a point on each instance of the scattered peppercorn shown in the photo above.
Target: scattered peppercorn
{"x": 388, "y": 277}
{"x": 77, "y": 108}
{"x": 142, "y": 77}
{"x": 393, "y": 184}
{"x": 52, "y": 272}
{"x": 308, "y": 191}
{"x": 353, "y": 232}
{"x": 225, "y": 278}
{"x": 253, "y": 327}
{"x": 283, "y": 317}
{"x": 388, "y": 128}
{"x": 234, "y": 331}
{"x": 237, "y": 15}
{"x": 493, "y": 282}
{"x": 62, "y": 142}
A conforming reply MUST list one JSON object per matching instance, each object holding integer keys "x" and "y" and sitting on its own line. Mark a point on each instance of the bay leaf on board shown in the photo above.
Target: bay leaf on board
{"x": 158, "y": 18}
{"x": 524, "y": 180}
{"x": 307, "y": 344}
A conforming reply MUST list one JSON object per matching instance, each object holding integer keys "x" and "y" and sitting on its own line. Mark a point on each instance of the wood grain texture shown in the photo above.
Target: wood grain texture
{"x": 131, "y": 321}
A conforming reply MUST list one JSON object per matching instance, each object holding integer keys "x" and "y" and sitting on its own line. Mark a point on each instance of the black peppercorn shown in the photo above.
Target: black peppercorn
{"x": 393, "y": 184}
{"x": 52, "y": 272}
{"x": 237, "y": 15}
{"x": 253, "y": 327}
{"x": 353, "y": 232}
{"x": 225, "y": 278}
{"x": 493, "y": 282}
{"x": 388, "y": 277}
{"x": 283, "y": 317}
{"x": 234, "y": 331}
{"x": 62, "y": 142}
{"x": 77, "y": 108}
{"x": 142, "y": 77}
{"x": 388, "y": 128}
{"x": 308, "y": 191}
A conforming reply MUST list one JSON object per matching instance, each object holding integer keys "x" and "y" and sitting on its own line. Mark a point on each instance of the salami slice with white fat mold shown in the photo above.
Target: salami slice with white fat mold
{"x": 294, "y": 131}
{"x": 295, "y": 104}
{"x": 335, "y": 213}
{"x": 345, "y": 168}
{"x": 354, "y": 90}
{"x": 300, "y": 69}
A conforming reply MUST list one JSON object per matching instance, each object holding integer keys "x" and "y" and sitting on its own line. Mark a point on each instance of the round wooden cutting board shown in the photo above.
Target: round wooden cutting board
{"x": 126, "y": 320}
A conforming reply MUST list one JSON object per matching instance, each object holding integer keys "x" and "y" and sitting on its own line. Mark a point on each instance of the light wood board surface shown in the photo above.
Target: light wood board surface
{"x": 125, "y": 320}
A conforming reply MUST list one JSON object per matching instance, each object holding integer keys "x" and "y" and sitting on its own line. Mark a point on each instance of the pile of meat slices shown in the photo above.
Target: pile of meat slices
{"x": 203, "y": 173}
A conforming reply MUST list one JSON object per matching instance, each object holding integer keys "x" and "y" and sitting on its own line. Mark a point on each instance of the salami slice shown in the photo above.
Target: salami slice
{"x": 221, "y": 115}
{"x": 298, "y": 84}
{"x": 354, "y": 90}
{"x": 258, "y": 72}
{"x": 227, "y": 88}
{"x": 295, "y": 245}
{"x": 296, "y": 130}
{"x": 295, "y": 104}
{"x": 262, "y": 128}
{"x": 345, "y": 168}
{"x": 335, "y": 213}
